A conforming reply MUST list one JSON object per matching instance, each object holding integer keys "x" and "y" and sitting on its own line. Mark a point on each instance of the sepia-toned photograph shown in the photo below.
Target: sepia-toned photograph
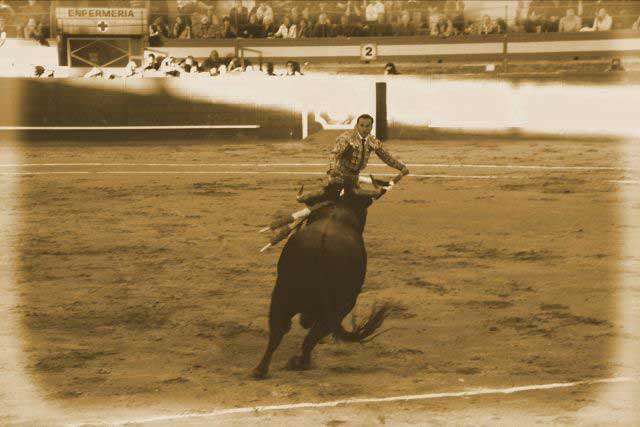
{"x": 319, "y": 213}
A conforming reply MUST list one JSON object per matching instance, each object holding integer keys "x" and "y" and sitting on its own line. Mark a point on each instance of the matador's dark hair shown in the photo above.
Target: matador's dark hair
{"x": 365, "y": 116}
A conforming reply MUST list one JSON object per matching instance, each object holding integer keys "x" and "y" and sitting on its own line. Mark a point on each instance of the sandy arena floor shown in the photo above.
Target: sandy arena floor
{"x": 140, "y": 289}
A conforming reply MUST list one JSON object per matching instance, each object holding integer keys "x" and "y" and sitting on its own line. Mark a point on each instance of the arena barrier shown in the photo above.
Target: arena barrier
{"x": 296, "y": 107}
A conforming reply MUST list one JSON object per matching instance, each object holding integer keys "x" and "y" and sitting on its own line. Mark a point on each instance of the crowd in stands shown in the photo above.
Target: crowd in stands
{"x": 442, "y": 18}
{"x": 156, "y": 65}
{"x": 29, "y": 19}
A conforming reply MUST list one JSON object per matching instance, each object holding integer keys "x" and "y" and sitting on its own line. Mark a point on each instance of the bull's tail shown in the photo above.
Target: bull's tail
{"x": 364, "y": 331}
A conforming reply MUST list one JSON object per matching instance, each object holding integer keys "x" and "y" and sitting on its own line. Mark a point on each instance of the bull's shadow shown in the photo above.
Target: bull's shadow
{"x": 321, "y": 271}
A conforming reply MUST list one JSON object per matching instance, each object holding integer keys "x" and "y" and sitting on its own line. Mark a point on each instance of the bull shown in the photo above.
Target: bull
{"x": 321, "y": 272}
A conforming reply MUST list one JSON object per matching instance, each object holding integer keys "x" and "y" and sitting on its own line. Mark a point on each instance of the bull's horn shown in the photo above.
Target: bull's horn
{"x": 301, "y": 190}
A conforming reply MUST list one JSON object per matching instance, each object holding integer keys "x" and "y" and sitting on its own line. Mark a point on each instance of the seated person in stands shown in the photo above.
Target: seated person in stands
{"x": 238, "y": 15}
{"x": 227, "y": 31}
{"x": 269, "y": 29}
{"x": 212, "y": 62}
{"x": 381, "y": 27}
{"x": 322, "y": 27}
{"x": 287, "y": 30}
{"x": 488, "y": 26}
{"x": 551, "y": 25}
{"x": 534, "y": 21}
{"x": 293, "y": 69}
{"x": 149, "y": 63}
{"x": 169, "y": 67}
{"x": 390, "y": 69}
{"x": 189, "y": 65}
{"x": 253, "y": 29}
{"x": 268, "y": 71}
{"x": 405, "y": 27}
{"x": 180, "y": 29}
{"x": 443, "y": 27}
{"x": 158, "y": 31}
{"x": 304, "y": 30}
{"x": 603, "y": 21}
{"x": 207, "y": 28}
{"x": 345, "y": 28}
{"x": 131, "y": 71}
{"x": 570, "y": 22}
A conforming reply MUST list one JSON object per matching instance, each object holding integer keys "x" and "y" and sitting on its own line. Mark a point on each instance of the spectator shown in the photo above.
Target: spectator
{"x": 454, "y": 9}
{"x": 380, "y": 28}
{"x": 323, "y": 27}
{"x": 444, "y": 27}
{"x": 304, "y": 30}
{"x": 488, "y": 26}
{"x": 636, "y": 25}
{"x": 268, "y": 27}
{"x": 293, "y": 69}
{"x": 434, "y": 18}
{"x": 157, "y": 32}
{"x": 419, "y": 23}
{"x": 212, "y": 62}
{"x": 262, "y": 10}
{"x": 252, "y": 30}
{"x": 32, "y": 30}
{"x": 355, "y": 15}
{"x": 180, "y": 29}
{"x": 169, "y": 67}
{"x": 34, "y": 9}
{"x": 150, "y": 63}
{"x": 131, "y": 71}
{"x": 207, "y": 29}
{"x": 269, "y": 69}
{"x": 238, "y": 15}
{"x": 406, "y": 27}
{"x": 534, "y": 21}
{"x": 570, "y": 22}
{"x": 390, "y": 69}
{"x": 345, "y": 28}
{"x": 287, "y": 30}
{"x": 7, "y": 13}
{"x": 189, "y": 65}
{"x": 603, "y": 21}
{"x": 372, "y": 11}
{"x": 551, "y": 25}
{"x": 227, "y": 32}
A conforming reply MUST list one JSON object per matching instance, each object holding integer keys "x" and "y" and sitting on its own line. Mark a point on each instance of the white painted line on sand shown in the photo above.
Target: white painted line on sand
{"x": 320, "y": 164}
{"x": 625, "y": 181}
{"x": 246, "y": 410}
{"x": 151, "y": 172}
{"x": 129, "y": 127}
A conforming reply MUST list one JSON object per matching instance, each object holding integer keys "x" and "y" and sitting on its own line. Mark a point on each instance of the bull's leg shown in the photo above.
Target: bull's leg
{"x": 318, "y": 331}
{"x": 279, "y": 325}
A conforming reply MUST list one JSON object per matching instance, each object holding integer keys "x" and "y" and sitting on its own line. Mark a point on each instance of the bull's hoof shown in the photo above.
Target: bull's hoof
{"x": 259, "y": 374}
{"x": 296, "y": 363}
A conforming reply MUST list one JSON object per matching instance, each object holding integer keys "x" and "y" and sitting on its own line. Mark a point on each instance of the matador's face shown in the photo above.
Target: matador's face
{"x": 364, "y": 127}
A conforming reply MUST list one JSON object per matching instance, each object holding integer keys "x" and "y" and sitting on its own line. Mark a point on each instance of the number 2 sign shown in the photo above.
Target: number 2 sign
{"x": 369, "y": 52}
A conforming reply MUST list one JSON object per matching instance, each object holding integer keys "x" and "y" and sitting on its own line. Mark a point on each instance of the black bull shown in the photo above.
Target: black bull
{"x": 320, "y": 275}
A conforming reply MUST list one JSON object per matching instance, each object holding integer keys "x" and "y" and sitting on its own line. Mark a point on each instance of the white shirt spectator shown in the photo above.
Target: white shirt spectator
{"x": 263, "y": 11}
{"x": 373, "y": 10}
{"x": 570, "y": 23}
{"x": 603, "y": 21}
{"x": 287, "y": 33}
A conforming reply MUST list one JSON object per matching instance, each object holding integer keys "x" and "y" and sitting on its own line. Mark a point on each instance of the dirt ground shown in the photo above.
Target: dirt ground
{"x": 141, "y": 286}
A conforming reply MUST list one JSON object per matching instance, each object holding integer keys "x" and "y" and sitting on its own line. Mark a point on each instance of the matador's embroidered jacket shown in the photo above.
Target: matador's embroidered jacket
{"x": 351, "y": 154}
